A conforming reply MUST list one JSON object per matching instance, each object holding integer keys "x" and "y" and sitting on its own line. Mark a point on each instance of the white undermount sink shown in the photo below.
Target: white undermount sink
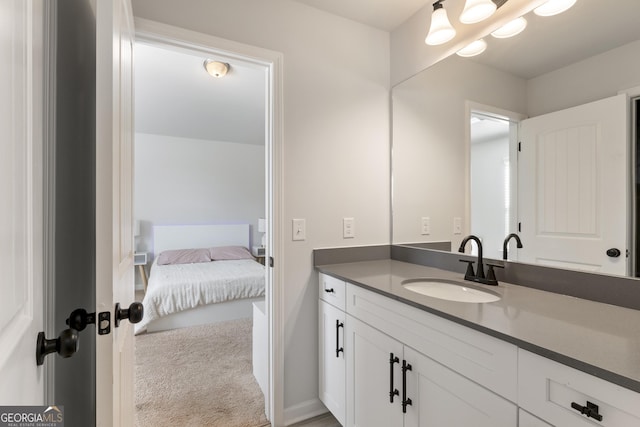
{"x": 450, "y": 290}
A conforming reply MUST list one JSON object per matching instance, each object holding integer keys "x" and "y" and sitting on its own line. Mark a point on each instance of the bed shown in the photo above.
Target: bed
{"x": 188, "y": 294}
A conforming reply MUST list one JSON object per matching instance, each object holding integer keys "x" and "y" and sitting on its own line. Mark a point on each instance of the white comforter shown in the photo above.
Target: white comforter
{"x": 179, "y": 287}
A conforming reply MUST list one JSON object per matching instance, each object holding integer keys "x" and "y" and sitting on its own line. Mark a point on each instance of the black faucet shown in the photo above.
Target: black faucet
{"x": 478, "y": 276}
{"x": 506, "y": 244}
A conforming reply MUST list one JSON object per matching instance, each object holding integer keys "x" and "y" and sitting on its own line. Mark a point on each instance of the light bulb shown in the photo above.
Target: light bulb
{"x": 477, "y": 10}
{"x": 441, "y": 30}
{"x": 473, "y": 49}
{"x": 510, "y": 29}
{"x": 553, "y": 7}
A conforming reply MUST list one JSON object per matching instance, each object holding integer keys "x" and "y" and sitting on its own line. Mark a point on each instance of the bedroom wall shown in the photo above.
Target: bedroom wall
{"x": 191, "y": 181}
{"x": 336, "y": 145}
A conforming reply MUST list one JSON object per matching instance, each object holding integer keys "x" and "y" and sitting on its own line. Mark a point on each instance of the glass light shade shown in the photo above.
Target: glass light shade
{"x": 476, "y": 11}
{"x": 473, "y": 48}
{"x": 216, "y": 68}
{"x": 510, "y": 29}
{"x": 553, "y": 7}
{"x": 441, "y": 30}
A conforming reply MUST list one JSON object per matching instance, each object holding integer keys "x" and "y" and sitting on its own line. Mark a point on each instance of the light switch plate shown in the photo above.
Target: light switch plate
{"x": 348, "y": 228}
{"x": 457, "y": 225}
{"x": 425, "y": 225}
{"x": 299, "y": 229}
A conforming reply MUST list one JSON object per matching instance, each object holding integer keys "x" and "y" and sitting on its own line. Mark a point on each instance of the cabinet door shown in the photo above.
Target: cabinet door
{"x": 332, "y": 360}
{"x": 441, "y": 397}
{"x": 369, "y": 377}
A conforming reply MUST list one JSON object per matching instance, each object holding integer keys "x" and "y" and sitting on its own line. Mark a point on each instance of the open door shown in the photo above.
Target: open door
{"x": 574, "y": 187}
{"x": 114, "y": 211}
{"x": 21, "y": 207}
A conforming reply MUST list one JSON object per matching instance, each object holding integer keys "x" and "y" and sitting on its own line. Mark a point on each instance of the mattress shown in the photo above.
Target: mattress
{"x": 179, "y": 287}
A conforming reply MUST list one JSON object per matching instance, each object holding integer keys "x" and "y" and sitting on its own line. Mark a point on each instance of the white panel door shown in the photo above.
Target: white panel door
{"x": 573, "y": 187}
{"x": 441, "y": 397}
{"x": 371, "y": 377}
{"x": 331, "y": 368}
{"x": 21, "y": 237}
{"x": 114, "y": 204}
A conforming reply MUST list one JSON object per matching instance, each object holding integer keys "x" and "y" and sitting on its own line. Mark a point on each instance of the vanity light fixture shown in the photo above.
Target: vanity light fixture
{"x": 473, "y": 49}
{"x": 441, "y": 30}
{"x": 216, "y": 68}
{"x": 553, "y": 7}
{"x": 477, "y": 10}
{"x": 510, "y": 29}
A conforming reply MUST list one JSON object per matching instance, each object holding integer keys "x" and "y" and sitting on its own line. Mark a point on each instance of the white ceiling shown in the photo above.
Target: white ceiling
{"x": 383, "y": 14}
{"x": 175, "y": 96}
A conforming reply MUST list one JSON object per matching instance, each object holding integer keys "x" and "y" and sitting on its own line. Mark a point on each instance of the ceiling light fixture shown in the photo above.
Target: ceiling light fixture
{"x": 510, "y": 29}
{"x": 553, "y": 7}
{"x": 441, "y": 30}
{"x": 473, "y": 49}
{"x": 477, "y": 10}
{"x": 216, "y": 68}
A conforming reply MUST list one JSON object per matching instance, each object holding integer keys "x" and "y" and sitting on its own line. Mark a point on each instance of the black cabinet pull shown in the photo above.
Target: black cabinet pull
{"x": 405, "y": 400}
{"x": 591, "y": 410}
{"x": 329, "y": 291}
{"x": 339, "y": 349}
{"x": 392, "y": 391}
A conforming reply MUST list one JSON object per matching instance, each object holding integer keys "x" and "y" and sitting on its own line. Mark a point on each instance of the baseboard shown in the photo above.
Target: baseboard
{"x": 304, "y": 411}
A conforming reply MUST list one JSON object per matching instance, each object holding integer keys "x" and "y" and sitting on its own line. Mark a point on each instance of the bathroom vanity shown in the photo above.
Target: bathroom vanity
{"x": 390, "y": 356}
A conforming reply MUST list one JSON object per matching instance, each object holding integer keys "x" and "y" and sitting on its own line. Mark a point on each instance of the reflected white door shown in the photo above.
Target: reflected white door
{"x": 21, "y": 238}
{"x": 573, "y": 187}
{"x": 114, "y": 204}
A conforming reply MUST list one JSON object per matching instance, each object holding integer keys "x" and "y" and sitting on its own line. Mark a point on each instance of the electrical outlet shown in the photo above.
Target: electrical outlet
{"x": 348, "y": 228}
{"x": 299, "y": 229}
{"x": 426, "y": 225}
{"x": 457, "y": 225}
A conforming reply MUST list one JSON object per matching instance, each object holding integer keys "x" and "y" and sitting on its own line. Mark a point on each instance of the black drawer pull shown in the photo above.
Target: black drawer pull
{"x": 405, "y": 400}
{"x": 591, "y": 410}
{"x": 392, "y": 391}
{"x": 330, "y": 291}
{"x": 339, "y": 349}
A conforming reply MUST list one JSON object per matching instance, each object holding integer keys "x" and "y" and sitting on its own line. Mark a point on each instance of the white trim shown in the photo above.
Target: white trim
{"x": 155, "y": 32}
{"x": 303, "y": 411}
{"x": 631, "y": 92}
{"x": 49, "y": 172}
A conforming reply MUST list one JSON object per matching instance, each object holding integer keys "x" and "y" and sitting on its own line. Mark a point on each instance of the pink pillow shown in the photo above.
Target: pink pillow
{"x": 222, "y": 253}
{"x": 184, "y": 256}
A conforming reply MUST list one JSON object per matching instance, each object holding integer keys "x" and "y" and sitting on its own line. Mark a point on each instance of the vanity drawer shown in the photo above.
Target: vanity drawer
{"x": 332, "y": 290}
{"x": 484, "y": 359}
{"x": 548, "y": 390}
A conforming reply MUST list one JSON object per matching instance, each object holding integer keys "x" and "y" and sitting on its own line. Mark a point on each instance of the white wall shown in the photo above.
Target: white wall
{"x": 598, "y": 77}
{"x": 336, "y": 144}
{"x": 430, "y": 151}
{"x": 191, "y": 181}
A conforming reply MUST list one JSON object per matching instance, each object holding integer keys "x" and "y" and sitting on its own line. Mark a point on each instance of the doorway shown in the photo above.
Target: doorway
{"x": 493, "y": 160}
{"x": 202, "y": 150}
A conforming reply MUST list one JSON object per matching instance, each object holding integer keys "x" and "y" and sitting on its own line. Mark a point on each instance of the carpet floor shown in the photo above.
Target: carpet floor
{"x": 198, "y": 376}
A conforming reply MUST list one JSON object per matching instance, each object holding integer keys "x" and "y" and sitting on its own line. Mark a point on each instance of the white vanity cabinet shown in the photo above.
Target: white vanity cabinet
{"x": 558, "y": 393}
{"x": 391, "y": 384}
{"x": 331, "y": 346}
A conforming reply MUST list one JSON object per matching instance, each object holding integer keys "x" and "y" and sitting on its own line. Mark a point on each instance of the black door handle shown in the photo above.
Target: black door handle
{"x": 339, "y": 349}
{"x": 405, "y": 400}
{"x": 134, "y": 313}
{"x": 66, "y": 345}
{"x": 614, "y": 252}
{"x": 392, "y": 391}
{"x": 591, "y": 410}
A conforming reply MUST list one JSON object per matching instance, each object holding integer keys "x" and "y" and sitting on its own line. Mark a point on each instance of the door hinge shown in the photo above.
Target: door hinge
{"x": 519, "y": 146}
{"x": 270, "y": 261}
{"x": 519, "y": 227}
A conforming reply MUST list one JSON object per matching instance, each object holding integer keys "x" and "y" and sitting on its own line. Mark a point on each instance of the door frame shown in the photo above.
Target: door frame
{"x": 168, "y": 35}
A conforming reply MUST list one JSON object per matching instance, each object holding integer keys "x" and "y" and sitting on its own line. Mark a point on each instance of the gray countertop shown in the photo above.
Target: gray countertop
{"x": 600, "y": 339}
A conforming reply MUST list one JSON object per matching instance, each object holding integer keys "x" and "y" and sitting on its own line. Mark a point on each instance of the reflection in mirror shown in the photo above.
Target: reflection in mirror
{"x": 440, "y": 174}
